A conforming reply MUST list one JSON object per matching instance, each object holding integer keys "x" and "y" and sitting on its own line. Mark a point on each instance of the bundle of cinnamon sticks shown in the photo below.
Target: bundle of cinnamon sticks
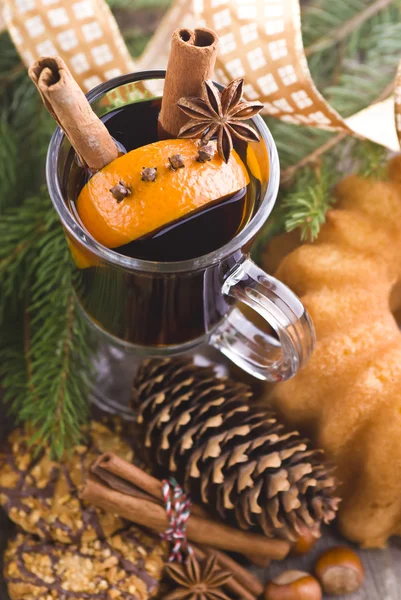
{"x": 123, "y": 488}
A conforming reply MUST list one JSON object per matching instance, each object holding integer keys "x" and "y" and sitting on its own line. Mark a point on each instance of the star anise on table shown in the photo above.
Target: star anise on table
{"x": 198, "y": 580}
{"x": 220, "y": 113}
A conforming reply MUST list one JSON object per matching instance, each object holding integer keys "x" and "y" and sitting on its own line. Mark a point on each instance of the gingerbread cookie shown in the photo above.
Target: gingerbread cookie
{"x": 127, "y": 566}
{"x": 41, "y": 495}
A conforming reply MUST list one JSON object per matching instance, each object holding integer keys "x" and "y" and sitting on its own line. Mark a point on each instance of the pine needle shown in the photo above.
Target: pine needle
{"x": 13, "y": 374}
{"x": 46, "y": 364}
{"x": 340, "y": 32}
{"x": 306, "y": 206}
{"x": 136, "y": 41}
{"x": 8, "y": 162}
{"x": 372, "y": 160}
{"x": 20, "y": 231}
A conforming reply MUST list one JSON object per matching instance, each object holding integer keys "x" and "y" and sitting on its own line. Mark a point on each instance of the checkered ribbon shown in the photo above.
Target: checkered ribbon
{"x": 83, "y": 32}
{"x": 178, "y": 506}
{"x": 260, "y": 40}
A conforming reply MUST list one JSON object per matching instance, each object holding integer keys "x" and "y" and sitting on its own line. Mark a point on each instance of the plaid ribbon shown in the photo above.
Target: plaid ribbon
{"x": 260, "y": 40}
{"x": 178, "y": 509}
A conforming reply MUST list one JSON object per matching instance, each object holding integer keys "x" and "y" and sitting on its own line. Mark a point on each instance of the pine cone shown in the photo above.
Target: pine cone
{"x": 236, "y": 460}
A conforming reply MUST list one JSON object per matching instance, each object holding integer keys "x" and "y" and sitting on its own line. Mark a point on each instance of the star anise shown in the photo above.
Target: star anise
{"x": 198, "y": 580}
{"x": 221, "y": 114}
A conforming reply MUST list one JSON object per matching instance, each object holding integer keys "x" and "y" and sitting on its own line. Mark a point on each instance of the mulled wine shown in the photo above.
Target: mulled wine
{"x": 162, "y": 309}
{"x": 192, "y": 236}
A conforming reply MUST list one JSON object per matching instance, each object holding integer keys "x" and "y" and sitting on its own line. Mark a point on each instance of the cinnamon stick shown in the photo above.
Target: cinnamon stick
{"x": 146, "y": 511}
{"x": 127, "y": 478}
{"x": 130, "y": 479}
{"x": 191, "y": 61}
{"x": 119, "y": 472}
{"x": 68, "y": 105}
{"x": 150, "y": 514}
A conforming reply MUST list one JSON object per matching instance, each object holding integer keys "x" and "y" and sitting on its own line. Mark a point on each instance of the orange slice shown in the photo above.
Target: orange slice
{"x": 153, "y": 204}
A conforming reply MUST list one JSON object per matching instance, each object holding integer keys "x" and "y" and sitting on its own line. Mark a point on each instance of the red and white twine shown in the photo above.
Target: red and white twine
{"x": 178, "y": 508}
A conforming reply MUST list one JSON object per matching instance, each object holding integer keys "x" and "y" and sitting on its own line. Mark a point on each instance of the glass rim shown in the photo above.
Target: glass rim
{"x": 83, "y": 237}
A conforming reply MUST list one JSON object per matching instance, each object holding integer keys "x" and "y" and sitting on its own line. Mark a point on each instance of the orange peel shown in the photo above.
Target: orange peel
{"x": 154, "y": 204}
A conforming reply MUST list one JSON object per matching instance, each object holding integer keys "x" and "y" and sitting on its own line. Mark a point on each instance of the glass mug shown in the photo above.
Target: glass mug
{"x": 140, "y": 308}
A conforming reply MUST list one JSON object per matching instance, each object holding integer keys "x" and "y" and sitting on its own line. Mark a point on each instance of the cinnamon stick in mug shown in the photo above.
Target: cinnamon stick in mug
{"x": 70, "y": 108}
{"x": 192, "y": 59}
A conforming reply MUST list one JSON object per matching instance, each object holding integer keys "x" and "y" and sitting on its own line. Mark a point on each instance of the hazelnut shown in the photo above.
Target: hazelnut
{"x": 305, "y": 542}
{"x": 293, "y": 585}
{"x": 339, "y": 571}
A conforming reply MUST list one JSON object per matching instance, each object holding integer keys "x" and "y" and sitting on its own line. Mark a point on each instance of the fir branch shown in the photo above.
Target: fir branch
{"x": 59, "y": 351}
{"x": 288, "y": 173}
{"x": 306, "y": 206}
{"x": 60, "y": 373}
{"x": 53, "y": 373}
{"x": 9, "y": 58}
{"x": 294, "y": 142}
{"x": 13, "y": 366}
{"x": 320, "y": 17}
{"x": 340, "y": 32}
{"x": 27, "y": 353}
{"x": 24, "y": 124}
{"x": 372, "y": 160}
{"x": 8, "y": 162}
{"x": 136, "y": 41}
{"x": 20, "y": 231}
{"x": 368, "y": 66}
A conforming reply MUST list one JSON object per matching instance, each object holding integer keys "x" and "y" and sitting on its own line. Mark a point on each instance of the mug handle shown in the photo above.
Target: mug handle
{"x": 265, "y": 356}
